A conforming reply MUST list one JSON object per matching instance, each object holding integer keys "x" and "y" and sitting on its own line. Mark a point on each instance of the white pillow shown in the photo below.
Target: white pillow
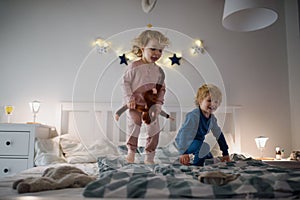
{"x": 229, "y": 140}
{"x": 166, "y": 138}
{"x": 77, "y": 152}
{"x": 47, "y": 151}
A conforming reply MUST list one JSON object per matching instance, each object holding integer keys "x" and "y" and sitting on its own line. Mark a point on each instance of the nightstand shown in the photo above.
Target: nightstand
{"x": 17, "y": 146}
{"x": 291, "y": 164}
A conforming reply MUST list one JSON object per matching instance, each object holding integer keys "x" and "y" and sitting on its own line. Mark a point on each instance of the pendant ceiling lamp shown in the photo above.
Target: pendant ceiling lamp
{"x": 248, "y": 15}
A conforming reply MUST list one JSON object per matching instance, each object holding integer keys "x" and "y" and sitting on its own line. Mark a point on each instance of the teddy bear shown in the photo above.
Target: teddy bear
{"x": 148, "y": 110}
{"x": 53, "y": 179}
{"x": 151, "y": 99}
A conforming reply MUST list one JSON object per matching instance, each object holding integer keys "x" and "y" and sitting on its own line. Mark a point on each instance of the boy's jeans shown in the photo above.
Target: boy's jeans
{"x": 200, "y": 150}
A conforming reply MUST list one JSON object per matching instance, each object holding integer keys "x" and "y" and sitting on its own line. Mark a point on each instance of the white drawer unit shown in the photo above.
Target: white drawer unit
{"x": 14, "y": 143}
{"x": 17, "y": 146}
{"x": 12, "y": 166}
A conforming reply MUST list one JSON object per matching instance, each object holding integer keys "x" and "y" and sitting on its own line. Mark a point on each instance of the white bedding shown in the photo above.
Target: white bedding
{"x": 7, "y": 193}
{"x": 87, "y": 132}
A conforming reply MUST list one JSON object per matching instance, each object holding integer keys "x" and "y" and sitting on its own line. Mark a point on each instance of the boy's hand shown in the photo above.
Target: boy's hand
{"x": 184, "y": 159}
{"x": 225, "y": 159}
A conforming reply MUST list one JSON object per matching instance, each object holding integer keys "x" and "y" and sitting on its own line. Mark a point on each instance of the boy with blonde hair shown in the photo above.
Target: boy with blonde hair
{"x": 198, "y": 123}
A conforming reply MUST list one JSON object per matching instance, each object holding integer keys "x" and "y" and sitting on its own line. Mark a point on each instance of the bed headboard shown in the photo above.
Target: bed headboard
{"x": 94, "y": 121}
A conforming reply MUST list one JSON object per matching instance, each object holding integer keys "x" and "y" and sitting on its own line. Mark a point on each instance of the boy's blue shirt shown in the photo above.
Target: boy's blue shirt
{"x": 196, "y": 126}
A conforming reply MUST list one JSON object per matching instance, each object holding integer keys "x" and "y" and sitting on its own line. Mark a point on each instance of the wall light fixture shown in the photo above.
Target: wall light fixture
{"x": 198, "y": 47}
{"x": 102, "y": 46}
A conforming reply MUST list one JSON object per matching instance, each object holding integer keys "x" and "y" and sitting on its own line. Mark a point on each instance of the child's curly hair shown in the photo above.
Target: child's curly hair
{"x": 143, "y": 39}
{"x": 208, "y": 89}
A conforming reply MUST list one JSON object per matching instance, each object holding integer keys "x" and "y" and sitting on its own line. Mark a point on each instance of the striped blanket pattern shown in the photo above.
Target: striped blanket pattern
{"x": 255, "y": 179}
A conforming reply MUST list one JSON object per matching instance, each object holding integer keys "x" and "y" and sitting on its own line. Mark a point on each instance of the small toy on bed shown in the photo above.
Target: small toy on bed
{"x": 216, "y": 177}
{"x": 148, "y": 115}
{"x": 53, "y": 179}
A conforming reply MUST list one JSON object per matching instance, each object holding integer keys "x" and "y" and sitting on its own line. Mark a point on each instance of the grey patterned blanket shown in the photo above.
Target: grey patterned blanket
{"x": 253, "y": 179}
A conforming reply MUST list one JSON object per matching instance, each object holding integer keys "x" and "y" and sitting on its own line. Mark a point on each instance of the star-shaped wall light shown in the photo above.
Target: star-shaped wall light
{"x": 175, "y": 59}
{"x": 123, "y": 59}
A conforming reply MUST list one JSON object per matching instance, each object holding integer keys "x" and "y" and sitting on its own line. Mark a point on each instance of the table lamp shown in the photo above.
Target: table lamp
{"x": 34, "y": 107}
{"x": 261, "y": 143}
{"x": 8, "y": 111}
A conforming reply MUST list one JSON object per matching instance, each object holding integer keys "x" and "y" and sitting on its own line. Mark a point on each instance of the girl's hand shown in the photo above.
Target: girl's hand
{"x": 172, "y": 118}
{"x": 225, "y": 159}
{"x": 184, "y": 159}
{"x": 131, "y": 105}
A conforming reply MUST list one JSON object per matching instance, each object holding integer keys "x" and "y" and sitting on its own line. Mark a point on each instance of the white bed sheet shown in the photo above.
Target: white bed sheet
{"x": 7, "y": 193}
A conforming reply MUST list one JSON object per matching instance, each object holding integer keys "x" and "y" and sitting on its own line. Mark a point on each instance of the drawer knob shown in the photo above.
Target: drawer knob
{"x": 8, "y": 143}
{"x": 5, "y": 170}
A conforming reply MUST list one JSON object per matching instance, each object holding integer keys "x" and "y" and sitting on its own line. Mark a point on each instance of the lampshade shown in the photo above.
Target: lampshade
{"x": 261, "y": 141}
{"x": 248, "y": 15}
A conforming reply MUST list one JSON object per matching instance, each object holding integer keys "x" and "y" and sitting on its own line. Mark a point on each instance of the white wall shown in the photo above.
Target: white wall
{"x": 293, "y": 47}
{"x": 44, "y": 43}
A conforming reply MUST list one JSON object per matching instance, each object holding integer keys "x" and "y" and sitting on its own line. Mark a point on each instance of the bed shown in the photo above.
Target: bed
{"x": 91, "y": 140}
